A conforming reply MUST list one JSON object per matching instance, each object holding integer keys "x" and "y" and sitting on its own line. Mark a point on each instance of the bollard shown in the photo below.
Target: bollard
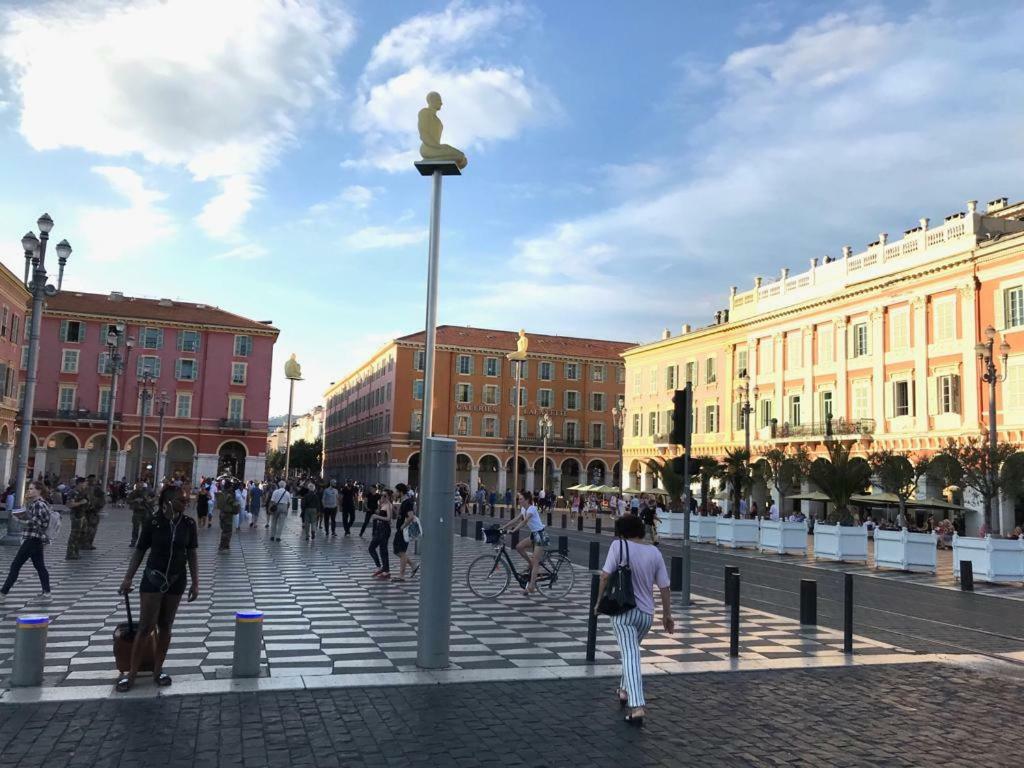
{"x": 563, "y": 545}
{"x": 492, "y": 510}
{"x": 564, "y": 522}
{"x": 515, "y": 539}
{"x": 248, "y": 643}
{"x": 734, "y": 615}
{"x": 464, "y": 528}
{"x": 966, "y": 576}
{"x": 808, "y": 601}
{"x": 579, "y": 523}
{"x": 595, "y": 584}
{"x": 597, "y": 523}
{"x": 848, "y": 614}
{"x": 479, "y": 530}
{"x": 595, "y": 555}
{"x": 29, "y": 650}
{"x": 550, "y": 523}
{"x": 676, "y": 574}
{"x": 729, "y": 570}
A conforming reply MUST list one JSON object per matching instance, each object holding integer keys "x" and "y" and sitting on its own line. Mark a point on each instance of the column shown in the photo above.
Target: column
{"x": 163, "y": 466}
{"x": 81, "y": 457}
{"x": 40, "y": 461}
{"x": 840, "y": 354}
{"x": 206, "y": 464}
{"x": 121, "y": 466}
{"x": 876, "y": 329}
{"x": 474, "y": 478}
{"x": 255, "y": 467}
{"x": 502, "y": 480}
{"x": 6, "y": 460}
{"x": 645, "y": 478}
{"x": 969, "y": 373}
{"x": 727, "y": 402}
{"x": 809, "y": 413}
{"x": 919, "y": 305}
{"x": 529, "y": 478}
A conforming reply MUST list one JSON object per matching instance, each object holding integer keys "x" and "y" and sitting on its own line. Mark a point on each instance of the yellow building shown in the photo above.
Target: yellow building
{"x": 882, "y": 341}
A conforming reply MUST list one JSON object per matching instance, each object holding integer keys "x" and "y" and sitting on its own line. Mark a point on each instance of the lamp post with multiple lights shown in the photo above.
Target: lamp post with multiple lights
{"x": 991, "y": 376}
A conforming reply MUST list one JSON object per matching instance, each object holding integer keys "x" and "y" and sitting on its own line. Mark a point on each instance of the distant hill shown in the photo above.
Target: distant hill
{"x": 276, "y": 421}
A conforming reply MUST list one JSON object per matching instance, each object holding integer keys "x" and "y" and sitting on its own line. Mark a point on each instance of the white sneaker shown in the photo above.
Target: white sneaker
{"x": 44, "y": 596}
{"x": 3, "y": 598}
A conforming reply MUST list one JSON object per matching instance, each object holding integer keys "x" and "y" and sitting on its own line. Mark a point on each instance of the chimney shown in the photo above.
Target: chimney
{"x": 924, "y": 223}
{"x": 814, "y": 263}
{"x": 972, "y": 206}
{"x": 847, "y": 251}
{"x": 996, "y": 205}
{"x": 718, "y": 317}
{"x": 686, "y": 328}
{"x": 116, "y": 296}
{"x": 785, "y": 273}
{"x": 725, "y": 315}
{"x": 757, "y": 282}
{"x": 883, "y": 238}
{"x": 732, "y": 291}
{"x": 666, "y": 334}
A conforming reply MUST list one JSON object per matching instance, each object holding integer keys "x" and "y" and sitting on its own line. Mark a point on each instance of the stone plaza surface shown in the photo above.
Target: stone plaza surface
{"x": 326, "y": 616}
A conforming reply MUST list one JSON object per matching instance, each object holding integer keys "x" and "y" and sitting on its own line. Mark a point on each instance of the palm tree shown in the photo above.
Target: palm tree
{"x": 707, "y": 469}
{"x": 840, "y": 478}
{"x": 735, "y": 469}
{"x": 786, "y": 467}
{"x": 671, "y": 481}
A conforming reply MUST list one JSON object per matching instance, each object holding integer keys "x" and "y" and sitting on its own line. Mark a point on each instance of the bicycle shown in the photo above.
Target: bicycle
{"x": 488, "y": 576}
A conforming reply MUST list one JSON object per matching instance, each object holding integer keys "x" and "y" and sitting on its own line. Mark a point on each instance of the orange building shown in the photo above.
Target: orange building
{"x": 882, "y": 341}
{"x": 374, "y": 415}
{"x": 14, "y": 302}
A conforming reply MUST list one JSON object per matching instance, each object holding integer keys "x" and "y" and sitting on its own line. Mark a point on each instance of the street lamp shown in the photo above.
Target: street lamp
{"x": 162, "y": 401}
{"x": 545, "y": 430}
{"x": 746, "y": 408}
{"x": 991, "y": 376}
{"x": 145, "y": 395}
{"x": 115, "y": 365}
{"x": 35, "y": 254}
{"x": 619, "y": 418}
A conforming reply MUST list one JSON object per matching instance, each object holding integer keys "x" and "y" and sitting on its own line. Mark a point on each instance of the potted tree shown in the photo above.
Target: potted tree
{"x": 732, "y": 530}
{"x": 785, "y": 468}
{"x": 902, "y": 549}
{"x": 840, "y": 478}
{"x": 671, "y": 475}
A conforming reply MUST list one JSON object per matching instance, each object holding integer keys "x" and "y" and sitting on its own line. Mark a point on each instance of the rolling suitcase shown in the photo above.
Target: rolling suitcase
{"x": 124, "y": 640}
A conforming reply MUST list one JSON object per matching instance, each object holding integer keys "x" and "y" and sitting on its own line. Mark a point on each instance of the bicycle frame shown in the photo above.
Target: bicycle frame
{"x": 546, "y": 572}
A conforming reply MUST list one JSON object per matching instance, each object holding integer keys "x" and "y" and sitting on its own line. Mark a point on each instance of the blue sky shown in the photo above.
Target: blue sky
{"x": 628, "y": 161}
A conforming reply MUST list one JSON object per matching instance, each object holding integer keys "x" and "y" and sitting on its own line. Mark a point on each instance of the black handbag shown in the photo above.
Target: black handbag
{"x": 618, "y": 594}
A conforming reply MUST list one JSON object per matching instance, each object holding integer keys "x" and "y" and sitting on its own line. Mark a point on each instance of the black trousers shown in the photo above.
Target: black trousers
{"x": 366, "y": 522}
{"x": 32, "y": 549}
{"x": 348, "y": 518}
{"x": 330, "y": 519}
{"x": 379, "y": 544}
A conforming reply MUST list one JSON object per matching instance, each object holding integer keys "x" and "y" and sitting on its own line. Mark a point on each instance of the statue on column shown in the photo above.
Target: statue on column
{"x": 292, "y": 369}
{"x": 430, "y": 127}
{"x": 521, "y": 346}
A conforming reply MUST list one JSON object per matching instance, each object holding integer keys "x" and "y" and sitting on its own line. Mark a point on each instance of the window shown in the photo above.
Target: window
{"x": 183, "y": 405}
{"x": 104, "y": 402}
{"x": 465, "y": 365}
{"x": 239, "y": 372}
{"x": 546, "y": 371}
{"x": 3, "y": 322}
{"x": 572, "y": 400}
{"x": 416, "y": 424}
{"x": 463, "y": 425}
{"x": 944, "y": 320}
{"x": 826, "y": 404}
{"x": 795, "y": 350}
{"x": 766, "y": 413}
{"x": 523, "y": 365}
{"x": 236, "y": 405}
{"x": 652, "y": 423}
{"x": 153, "y": 338}
{"x": 512, "y": 396}
{"x": 652, "y": 380}
{"x": 1013, "y": 300}
{"x": 738, "y": 416}
{"x": 794, "y": 411}
{"x": 671, "y": 376}
{"x": 899, "y": 329}
{"x": 637, "y": 424}
{"x": 148, "y": 364}
{"x": 710, "y": 418}
{"x": 741, "y": 362}
{"x": 766, "y": 356}
{"x": 524, "y": 429}
{"x": 1013, "y": 387}
{"x": 691, "y": 373}
{"x": 66, "y": 399}
{"x": 463, "y": 393}
{"x": 188, "y": 341}
{"x": 103, "y": 364}
{"x": 637, "y": 382}
{"x": 419, "y": 358}
{"x": 490, "y": 426}
{"x": 860, "y": 339}
{"x": 491, "y": 366}
{"x": 24, "y": 358}
{"x": 72, "y": 331}
{"x": 597, "y": 401}
{"x": 7, "y": 377}
{"x": 710, "y": 375}
{"x": 69, "y": 361}
{"x": 545, "y": 398}
{"x": 826, "y": 339}
{"x": 417, "y": 389}
{"x": 243, "y": 346}
{"x": 901, "y": 398}
{"x": 597, "y": 435}
{"x": 861, "y": 399}
{"x": 491, "y": 394}
{"x": 572, "y": 371}
{"x": 948, "y": 394}
{"x": 16, "y": 329}
{"x": 597, "y": 372}
{"x": 620, "y": 375}
{"x": 186, "y": 369}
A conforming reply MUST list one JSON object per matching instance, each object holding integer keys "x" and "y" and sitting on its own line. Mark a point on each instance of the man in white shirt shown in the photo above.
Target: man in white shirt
{"x": 773, "y": 510}
{"x": 280, "y": 503}
{"x": 621, "y": 506}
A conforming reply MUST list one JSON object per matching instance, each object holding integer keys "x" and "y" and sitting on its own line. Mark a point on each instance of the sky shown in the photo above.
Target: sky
{"x": 628, "y": 161}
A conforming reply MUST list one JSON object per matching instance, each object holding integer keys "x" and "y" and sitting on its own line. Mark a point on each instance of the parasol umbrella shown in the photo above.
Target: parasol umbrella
{"x": 885, "y": 499}
{"x": 809, "y": 496}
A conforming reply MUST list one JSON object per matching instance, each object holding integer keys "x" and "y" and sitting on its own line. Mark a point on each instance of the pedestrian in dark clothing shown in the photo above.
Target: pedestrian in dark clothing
{"x": 34, "y": 537}
{"x": 381, "y": 535}
{"x": 348, "y": 507}
{"x": 372, "y": 502}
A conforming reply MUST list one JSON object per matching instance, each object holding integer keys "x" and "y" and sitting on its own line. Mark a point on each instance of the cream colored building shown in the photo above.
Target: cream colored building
{"x": 882, "y": 340}
{"x": 309, "y": 427}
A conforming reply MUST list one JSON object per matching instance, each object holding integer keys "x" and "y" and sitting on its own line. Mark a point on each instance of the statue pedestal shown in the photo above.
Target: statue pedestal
{"x": 446, "y": 167}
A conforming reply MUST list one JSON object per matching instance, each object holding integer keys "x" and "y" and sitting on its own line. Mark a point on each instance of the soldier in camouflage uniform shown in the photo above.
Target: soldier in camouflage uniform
{"x": 97, "y": 499}
{"x": 227, "y": 507}
{"x": 79, "y": 505}
{"x": 140, "y": 500}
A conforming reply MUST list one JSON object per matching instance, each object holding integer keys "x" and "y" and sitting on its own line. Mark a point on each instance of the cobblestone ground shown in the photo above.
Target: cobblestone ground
{"x": 920, "y": 715}
{"x": 325, "y": 615}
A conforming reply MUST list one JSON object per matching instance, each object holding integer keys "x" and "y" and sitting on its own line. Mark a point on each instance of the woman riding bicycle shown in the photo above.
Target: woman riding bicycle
{"x": 530, "y": 517}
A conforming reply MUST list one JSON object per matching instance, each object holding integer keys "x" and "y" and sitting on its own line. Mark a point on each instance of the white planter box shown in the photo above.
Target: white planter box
{"x": 703, "y": 528}
{"x": 905, "y": 551}
{"x": 671, "y": 525}
{"x": 782, "y": 537}
{"x": 731, "y": 532}
{"x": 839, "y": 542}
{"x": 992, "y": 559}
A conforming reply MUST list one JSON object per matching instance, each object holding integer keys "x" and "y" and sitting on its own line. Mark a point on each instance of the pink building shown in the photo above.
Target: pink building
{"x": 214, "y": 367}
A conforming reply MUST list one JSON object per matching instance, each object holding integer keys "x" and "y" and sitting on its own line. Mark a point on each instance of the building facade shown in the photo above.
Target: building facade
{"x": 14, "y": 302}
{"x": 308, "y": 427}
{"x": 882, "y": 341}
{"x": 374, "y": 415}
{"x": 214, "y": 367}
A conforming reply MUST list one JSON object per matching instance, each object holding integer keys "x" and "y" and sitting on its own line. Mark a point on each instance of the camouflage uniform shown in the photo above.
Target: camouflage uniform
{"x": 98, "y": 500}
{"x": 141, "y": 502}
{"x": 79, "y": 504}
{"x": 227, "y": 507}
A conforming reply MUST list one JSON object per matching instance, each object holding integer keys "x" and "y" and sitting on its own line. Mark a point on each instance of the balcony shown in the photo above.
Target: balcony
{"x": 235, "y": 423}
{"x": 838, "y": 428}
{"x": 73, "y": 414}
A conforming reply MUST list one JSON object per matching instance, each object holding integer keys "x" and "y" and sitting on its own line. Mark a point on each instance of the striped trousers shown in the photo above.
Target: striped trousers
{"x": 630, "y": 628}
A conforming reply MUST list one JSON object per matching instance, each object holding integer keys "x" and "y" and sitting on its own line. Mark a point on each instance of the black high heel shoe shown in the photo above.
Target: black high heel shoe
{"x": 636, "y": 720}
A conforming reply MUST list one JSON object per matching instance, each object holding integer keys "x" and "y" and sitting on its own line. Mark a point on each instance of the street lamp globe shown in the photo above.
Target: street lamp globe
{"x": 30, "y": 242}
{"x": 981, "y": 348}
{"x": 1004, "y": 350}
{"x": 990, "y": 333}
{"x": 112, "y": 339}
{"x": 63, "y": 249}
{"x": 45, "y": 223}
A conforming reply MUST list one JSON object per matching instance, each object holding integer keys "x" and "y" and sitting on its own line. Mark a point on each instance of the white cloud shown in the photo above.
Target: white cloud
{"x": 357, "y": 196}
{"x": 116, "y": 233}
{"x": 246, "y": 252}
{"x": 217, "y": 88}
{"x": 371, "y": 238}
{"x": 222, "y": 216}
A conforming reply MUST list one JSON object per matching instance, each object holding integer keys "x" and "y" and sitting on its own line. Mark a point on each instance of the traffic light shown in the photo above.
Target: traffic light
{"x": 682, "y": 413}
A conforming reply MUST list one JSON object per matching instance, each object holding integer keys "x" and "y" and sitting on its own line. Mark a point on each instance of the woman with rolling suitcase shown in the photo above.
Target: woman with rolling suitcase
{"x": 171, "y": 539}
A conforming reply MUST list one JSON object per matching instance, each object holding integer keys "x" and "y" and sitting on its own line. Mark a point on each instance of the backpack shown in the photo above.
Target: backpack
{"x": 99, "y": 498}
{"x": 53, "y": 530}
{"x": 330, "y": 498}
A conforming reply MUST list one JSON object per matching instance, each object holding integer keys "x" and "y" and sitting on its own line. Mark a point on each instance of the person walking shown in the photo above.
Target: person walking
{"x": 329, "y": 501}
{"x": 78, "y": 504}
{"x": 647, "y": 567}
{"x": 255, "y": 502}
{"x": 407, "y": 528}
{"x": 277, "y": 509}
{"x": 348, "y": 507}
{"x": 35, "y": 535}
{"x": 381, "y": 534}
{"x": 171, "y": 539}
{"x": 310, "y": 511}
{"x": 140, "y": 500}
{"x": 97, "y": 500}
{"x": 203, "y": 505}
{"x": 372, "y": 501}
{"x": 227, "y": 507}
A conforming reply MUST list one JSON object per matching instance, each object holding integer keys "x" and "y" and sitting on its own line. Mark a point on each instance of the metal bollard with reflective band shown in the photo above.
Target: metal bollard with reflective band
{"x": 248, "y": 643}
{"x": 29, "y": 650}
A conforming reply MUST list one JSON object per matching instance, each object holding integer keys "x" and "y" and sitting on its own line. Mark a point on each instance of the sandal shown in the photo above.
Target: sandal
{"x": 162, "y": 680}
{"x": 634, "y": 719}
{"x": 124, "y": 684}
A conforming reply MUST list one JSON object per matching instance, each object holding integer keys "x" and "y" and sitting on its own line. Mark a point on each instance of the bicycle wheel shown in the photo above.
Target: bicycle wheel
{"x": 488, "y": 576}
{"x": 556, "y": 576}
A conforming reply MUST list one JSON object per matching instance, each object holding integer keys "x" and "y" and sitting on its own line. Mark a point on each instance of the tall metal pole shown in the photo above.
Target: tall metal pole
{"x": 116, "y": 362}
{"x": 515, "y": 457}
{"x": 746, "y": 438}
{"x": 688, "y": 447}
{"x": 143, "y": 398}
{"x": 430, "y": 325}
{"x": 288, "y": 429}
{"x": 544, "y": 464}
{"x": 24, "y": 438}
{"x": 160, "y": 440}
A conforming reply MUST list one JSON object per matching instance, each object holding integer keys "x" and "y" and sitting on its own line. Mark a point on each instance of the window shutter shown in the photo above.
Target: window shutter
{"x": 955, "y": 386}
{"x": 912, "y": 395}
{"x": 849, "y": 341}
{"x": 138, "y": 367}
{"x": 890, "y": 396}
{"x": 63, "y": 330}
{"x": 160, "y": 339}
{"x": 177, "y": 369}
{"x": 1000, "y": 309}
{"x": 934, "y": 395}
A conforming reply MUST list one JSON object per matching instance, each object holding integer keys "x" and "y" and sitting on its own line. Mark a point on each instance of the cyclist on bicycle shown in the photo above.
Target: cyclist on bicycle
{"x": 530, "y": 517}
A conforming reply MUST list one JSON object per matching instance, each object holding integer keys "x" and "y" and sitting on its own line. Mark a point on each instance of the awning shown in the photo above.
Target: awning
{"x": 885, "y": 499}
{"x": 809, "y": 496}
